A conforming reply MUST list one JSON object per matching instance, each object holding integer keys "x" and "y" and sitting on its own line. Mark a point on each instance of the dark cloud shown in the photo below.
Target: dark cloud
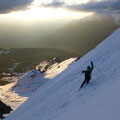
{"x": 97, "y": 6}
{"x": 13, "y": 5}
{"x": 92, "y": 5}
{"x": 115, "y": 5}
{"x": 54, "y": 4}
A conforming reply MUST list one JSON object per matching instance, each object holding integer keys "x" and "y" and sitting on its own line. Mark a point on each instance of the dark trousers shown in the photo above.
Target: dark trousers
{"x": 85, "y": 81}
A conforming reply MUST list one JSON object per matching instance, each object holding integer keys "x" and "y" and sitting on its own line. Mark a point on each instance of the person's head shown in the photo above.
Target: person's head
{"x": 88, "y": 68}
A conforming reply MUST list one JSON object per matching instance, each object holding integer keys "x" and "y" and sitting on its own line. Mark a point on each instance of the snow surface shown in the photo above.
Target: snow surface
{"x": 16, "y": 93}
{"x": 4, "y": 51}
{"x": 11, "y": 98}
{"x": 60, "y": 99}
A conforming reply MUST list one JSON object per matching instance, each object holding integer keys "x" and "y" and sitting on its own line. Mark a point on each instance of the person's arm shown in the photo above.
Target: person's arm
{"x": 83, "y": 71}
{"x": 92, "y": 66}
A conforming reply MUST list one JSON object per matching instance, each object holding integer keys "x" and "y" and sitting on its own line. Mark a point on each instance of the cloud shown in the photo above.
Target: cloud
{"x": 54, "y": 4}
{"x": 13, "y": 5}
{"x": 91, "y": 5}
{"x": 98, "y": 6}
{"x": 102, "y": 7}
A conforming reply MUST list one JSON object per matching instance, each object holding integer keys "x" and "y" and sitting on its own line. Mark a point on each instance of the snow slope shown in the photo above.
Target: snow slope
{"x": 34, "y": 79}
{"x": 29, "y": 83}
{"x": 16, "y": 93}
{"x": 59, "y": 99}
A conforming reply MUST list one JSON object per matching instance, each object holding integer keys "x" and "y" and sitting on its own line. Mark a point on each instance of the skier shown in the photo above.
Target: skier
{"x": 87, "y": 75}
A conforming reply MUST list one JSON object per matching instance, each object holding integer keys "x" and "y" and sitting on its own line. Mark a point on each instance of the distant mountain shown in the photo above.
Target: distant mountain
{"x": 78, "y": 36}
{"x": 15, "y": 61}
{"x": 82, "y": 35}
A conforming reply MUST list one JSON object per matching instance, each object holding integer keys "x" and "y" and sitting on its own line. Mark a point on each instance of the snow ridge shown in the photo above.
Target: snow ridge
{"x": 60, "y": 99}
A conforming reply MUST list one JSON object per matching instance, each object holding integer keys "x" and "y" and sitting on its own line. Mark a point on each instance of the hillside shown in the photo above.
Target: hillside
{"x": 21, "y": 60}
{"x": 82, "y": 35}
{"x": 59, "y": 99}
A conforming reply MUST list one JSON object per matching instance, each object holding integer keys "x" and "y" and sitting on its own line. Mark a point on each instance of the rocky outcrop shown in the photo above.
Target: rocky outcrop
{"x": 4, "y": 109}
{"x": 43, "y": 66}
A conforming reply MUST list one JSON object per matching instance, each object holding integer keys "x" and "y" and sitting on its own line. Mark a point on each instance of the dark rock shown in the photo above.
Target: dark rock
{"x": 4, "y": 109}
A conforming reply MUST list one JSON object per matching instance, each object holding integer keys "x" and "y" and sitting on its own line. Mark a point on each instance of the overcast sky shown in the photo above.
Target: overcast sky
{"x": 89, "y": 5}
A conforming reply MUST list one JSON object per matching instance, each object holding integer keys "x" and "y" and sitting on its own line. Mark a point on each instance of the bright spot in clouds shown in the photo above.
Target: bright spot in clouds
{"x": 40, "y": 13}
{"x": 67, "y": 2}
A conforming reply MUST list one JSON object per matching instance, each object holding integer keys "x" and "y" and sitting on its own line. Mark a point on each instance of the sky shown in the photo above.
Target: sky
{"x": 42, "y": 10}
{"x": 37, "y": 10}
{"x": 7, "y": 6}
{"x": 19, "y": 19}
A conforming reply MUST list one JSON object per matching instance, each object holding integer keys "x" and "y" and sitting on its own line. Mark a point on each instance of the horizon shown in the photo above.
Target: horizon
{"x": 26, "y": 24}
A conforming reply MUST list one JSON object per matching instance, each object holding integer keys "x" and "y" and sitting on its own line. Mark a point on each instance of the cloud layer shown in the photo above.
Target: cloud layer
{"x": 87, "y": 5}
{"x": 91, "y": 5}
{"x": 54, "y": 4}
{"x": 98, "y": 6}
{"x": 13, "y": 5}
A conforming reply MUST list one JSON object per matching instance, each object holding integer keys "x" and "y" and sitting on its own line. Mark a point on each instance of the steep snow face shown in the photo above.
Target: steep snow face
{"x": 60, "y": 99}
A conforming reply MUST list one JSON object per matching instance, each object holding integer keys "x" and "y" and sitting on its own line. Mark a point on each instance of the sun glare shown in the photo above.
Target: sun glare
{"x": 36, "y": 12}
{"x": 68, "y": 2}
{"x": 71, "y": 2}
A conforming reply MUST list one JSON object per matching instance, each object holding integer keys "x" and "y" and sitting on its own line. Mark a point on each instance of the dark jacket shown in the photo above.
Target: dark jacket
{"x": 88, "y": 72}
